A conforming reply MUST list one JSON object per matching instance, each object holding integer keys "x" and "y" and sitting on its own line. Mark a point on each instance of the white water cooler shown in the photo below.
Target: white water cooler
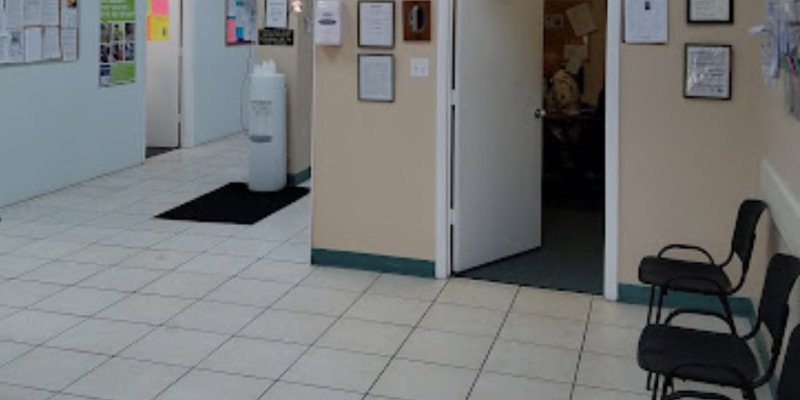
{"x": 268, "y": 153}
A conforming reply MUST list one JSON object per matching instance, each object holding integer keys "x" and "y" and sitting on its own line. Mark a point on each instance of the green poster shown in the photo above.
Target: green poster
{"x": 117, "y": 42}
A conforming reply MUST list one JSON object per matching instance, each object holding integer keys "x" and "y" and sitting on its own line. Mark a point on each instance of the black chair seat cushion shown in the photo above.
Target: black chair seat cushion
{"x": 663, "y": 349}
{"x": 686, "y": 276}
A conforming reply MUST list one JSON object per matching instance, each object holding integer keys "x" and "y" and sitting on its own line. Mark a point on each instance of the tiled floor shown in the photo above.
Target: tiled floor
{"x": 100, "y": 301}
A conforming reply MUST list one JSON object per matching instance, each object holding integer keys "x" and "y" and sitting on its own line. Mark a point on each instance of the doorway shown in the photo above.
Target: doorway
{"x": 528, "y": 144}
{"x": 164, "y": 76}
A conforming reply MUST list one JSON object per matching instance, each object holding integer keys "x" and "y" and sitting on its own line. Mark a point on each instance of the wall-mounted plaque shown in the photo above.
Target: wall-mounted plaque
{"x": 708, "y": 71}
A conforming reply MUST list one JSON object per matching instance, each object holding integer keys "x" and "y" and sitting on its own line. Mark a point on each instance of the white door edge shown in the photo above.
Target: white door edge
{"x": 444, "y": 78}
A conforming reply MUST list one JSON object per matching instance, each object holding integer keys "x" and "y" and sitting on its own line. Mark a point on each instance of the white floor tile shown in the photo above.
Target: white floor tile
{"x": 253, "y": 357}
{"x": 215, "y": 264}
{"x": 87, "y": 234}
{"x": 136, "y": 239}
{"x": 100, "y": 336}
{"x": 12, "y": 266}
{"x": 473, "y": 293}
{"x": 618, "y": 314}
{"x": 340, "y": 279}
{"x": 612, "y": 340}
{"x": 249, "y": 292}
{"x": 317, "y": 301}
{"x": 174, "y": 346}
{"x": 63, "y": 272}
{"x": 147, "y": 309}
{"x": 35, "y": 327}
{"x": 10, "y": 243}
{"x": 23, "y": 294}
{"x": 184, "y": 284}
{"x": 337, "y": 370}
{"x": 190, "y": 243}
{"x": 549, "y": 303}
{"x": 430, "y": 382}
{"x": 121, "y": 379}
{"x": 206, "y": 385}
{"x": 18, "y": 393}
{"x": 49, "y": 369}
{"x": 49, "y": 249}
{"x": 290, "y": 391}
{"x": 392, "y": 310}
{"x": 224, "y": 230}
{"x": 291, "y": 252}
{"x": 288, "y": 327}
{"x": 9, "y": 351}
{"x": 101, "y": 254}
{"x": 365, "y": 337}
{"x": 245, "y": 247}
{"x": 446, "y": 348}
{"x": 533, "y": 361}
{"x": 215, "y": 317}
{"x": 277, "y": 271}
{"x": 159, "y": 259}
{"x": 586, "y": 393}
{"x": 544, "y": 331}
{"x": 463, "y": 320}
{"x": 493, "y": 386}
{"x": 614, "y": 373}
{"x": 122, "y": 279}
{"x": 80, "y": 301}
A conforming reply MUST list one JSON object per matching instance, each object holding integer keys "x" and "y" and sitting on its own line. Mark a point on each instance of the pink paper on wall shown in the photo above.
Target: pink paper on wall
{"x": 159, "y": 7}
{"x": 231, "y": 31}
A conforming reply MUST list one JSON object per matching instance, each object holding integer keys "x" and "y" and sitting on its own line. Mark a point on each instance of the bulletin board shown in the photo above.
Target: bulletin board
{"x": 37, "y": 31}
{"x": 240, "y": 22}
{"x": 560, "y": 36}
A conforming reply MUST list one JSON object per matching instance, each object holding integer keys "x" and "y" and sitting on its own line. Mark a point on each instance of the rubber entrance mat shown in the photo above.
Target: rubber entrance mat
{"x": 234, "y": 203}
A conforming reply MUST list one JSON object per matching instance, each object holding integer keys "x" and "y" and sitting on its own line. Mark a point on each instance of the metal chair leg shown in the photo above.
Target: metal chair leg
{"x": 726, "y": 305}
{"x": 662, "y": 292}
{"x": 656, "y": 387}
{"x": 651, "y": 304}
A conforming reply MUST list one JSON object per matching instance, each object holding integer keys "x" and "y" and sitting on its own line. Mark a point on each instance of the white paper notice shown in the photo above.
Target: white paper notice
{"x": 16, "y": 48}
{"x": 33, "y": 12}
{"x": 50, "y": 13}
{"x": 14, "y": 15}
{"x": 710, "y": 10}
{"x": 51, "y": 43}
{"x": 376, "y": 78}
{"x": 5, "y": 43}
{"x": 646, "y": 21}
{"x": 33, "y": 45}
{"x": 582, "y": 19}
{"x": 277, "y": 14}
{"x": 376, "y": 25}
{"x": 69, "y": 14}
{"x": 69, "y": 44}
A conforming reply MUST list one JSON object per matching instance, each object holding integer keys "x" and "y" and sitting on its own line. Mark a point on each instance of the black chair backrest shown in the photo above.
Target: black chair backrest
{"x": 773, "y": 310}
{"x": 789, "y": 386}
{"x": 744, "y": 235}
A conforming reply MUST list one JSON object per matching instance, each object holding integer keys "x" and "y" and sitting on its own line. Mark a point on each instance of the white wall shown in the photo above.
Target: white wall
{"x": 58, "y": 127}
{"x": 216, "y": 77}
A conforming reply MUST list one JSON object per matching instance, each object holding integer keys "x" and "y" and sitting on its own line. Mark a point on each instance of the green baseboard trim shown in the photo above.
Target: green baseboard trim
{"x": 637, "y": 294}
{"x": 300, "y": 177}
{"x": 373, "y": 262}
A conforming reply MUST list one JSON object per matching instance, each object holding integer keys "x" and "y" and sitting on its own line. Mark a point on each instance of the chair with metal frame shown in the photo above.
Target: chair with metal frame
{"x": 788, "y": 387}
{"x": 723, "y": 359}
{"x": 709, "y": 278}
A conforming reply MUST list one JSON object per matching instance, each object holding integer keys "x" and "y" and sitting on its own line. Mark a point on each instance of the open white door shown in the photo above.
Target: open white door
{"x": 498, "y": 141}
{"x": 163, "y": 84}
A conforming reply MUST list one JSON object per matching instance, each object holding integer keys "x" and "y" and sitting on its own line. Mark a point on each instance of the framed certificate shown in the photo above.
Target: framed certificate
{"x": 710, "y": 11}
{"x": 376, "y": 24}
{"x": 708, "y": 71}
{"x": 376, "y": 78}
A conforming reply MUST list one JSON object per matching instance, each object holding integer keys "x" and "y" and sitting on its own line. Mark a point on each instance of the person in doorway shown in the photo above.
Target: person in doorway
{"x": 562, "y": 101}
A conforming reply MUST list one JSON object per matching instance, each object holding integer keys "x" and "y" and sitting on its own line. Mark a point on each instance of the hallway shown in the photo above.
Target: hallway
{"x": 101, "y": 301}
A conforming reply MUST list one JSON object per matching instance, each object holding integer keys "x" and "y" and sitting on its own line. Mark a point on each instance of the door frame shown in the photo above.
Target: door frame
{"x": 444, "y": 75}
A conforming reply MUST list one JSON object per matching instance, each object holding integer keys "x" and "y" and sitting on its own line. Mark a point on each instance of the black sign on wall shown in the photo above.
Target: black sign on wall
{"x": 276, "y": 37}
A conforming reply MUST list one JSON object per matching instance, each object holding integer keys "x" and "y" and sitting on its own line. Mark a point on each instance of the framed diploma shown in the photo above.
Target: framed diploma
{"x": 710, "y": 11}
{"x": 708, "y": 71}
{"x": 376, "y": 78}
{"x": 376, "y": 24}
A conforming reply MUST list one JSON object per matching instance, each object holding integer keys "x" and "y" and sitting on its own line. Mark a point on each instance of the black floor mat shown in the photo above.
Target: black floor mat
{"x": 234, "y": 203}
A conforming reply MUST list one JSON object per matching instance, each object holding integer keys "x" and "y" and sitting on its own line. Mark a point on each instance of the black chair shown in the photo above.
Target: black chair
{"x": 705, "y": 278}
{"x": 788, "y": 387}
{"x": 723, "y": 359}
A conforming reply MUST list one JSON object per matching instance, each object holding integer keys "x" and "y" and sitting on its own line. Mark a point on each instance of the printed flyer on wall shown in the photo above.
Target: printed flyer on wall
{"x": 117, "y": 42}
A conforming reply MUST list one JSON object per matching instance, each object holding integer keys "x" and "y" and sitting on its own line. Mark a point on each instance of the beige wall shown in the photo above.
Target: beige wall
{"x": 296, "y": 62}
{"x": 374, "y": 163}
{"x": 685, "y": 164}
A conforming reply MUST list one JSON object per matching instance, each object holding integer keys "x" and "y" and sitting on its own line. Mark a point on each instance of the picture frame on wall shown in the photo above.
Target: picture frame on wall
{"x": 709, "y": 11}
{"x": 376, "y": 78}
{"x": 708, "y": 71}
{"x": 376, "y": 24}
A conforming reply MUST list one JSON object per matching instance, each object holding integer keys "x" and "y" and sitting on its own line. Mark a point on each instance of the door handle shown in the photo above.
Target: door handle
{"x": 540, "y": 113}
